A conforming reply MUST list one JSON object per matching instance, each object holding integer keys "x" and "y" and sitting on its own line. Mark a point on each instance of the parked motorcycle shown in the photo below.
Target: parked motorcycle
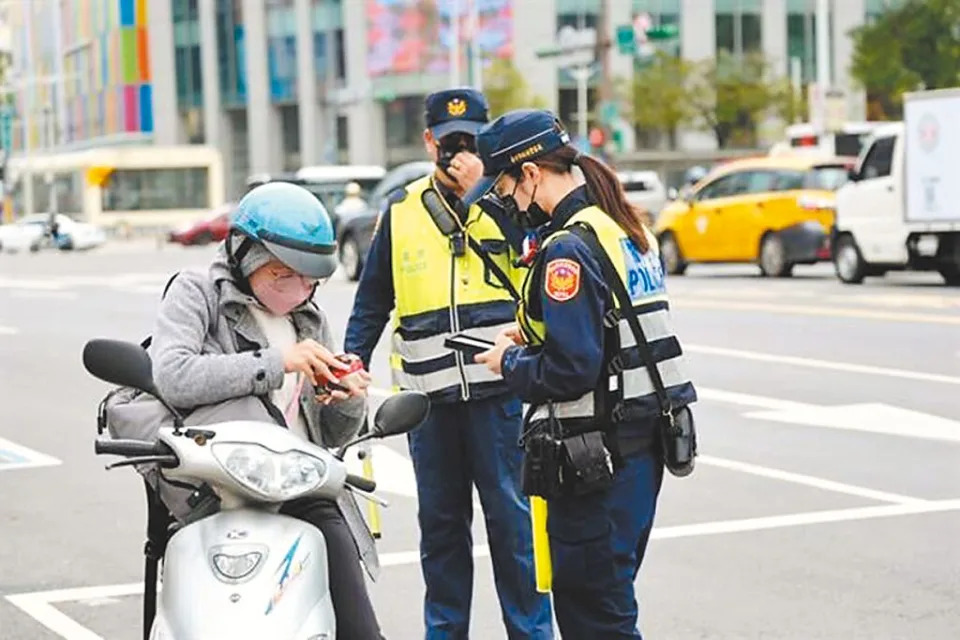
{"x": 245, "y": 571}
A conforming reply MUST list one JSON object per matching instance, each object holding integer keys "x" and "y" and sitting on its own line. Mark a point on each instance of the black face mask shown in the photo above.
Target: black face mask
{"x": 530, "y": 218}
{"x": 452, "y": 144}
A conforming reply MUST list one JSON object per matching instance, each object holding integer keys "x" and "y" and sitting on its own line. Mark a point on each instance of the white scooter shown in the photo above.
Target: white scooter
{"x": 245, "y": 571}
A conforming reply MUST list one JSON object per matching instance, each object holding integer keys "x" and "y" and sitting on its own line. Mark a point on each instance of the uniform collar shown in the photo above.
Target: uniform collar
{"x": 575, "y": 201}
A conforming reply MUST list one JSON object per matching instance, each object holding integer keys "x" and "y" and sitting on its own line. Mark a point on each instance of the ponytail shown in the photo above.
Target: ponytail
{"x": 605, "y": 190}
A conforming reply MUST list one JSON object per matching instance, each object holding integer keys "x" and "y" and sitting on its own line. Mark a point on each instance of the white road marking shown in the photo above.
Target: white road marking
{"x": 39, "y": 605}
{"x": 833, "y": 365}
{"x": 14, "y": 456}
{"x": 809, "y": 481}
{"x": 51, "y": 294}
{"x": 875, "y": 418}
{"x": 699, "y": 302}
{"x": 8, "y": 331}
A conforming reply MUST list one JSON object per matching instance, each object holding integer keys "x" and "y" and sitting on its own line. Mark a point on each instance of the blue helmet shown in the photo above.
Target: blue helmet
{"x": 292, "y": 224}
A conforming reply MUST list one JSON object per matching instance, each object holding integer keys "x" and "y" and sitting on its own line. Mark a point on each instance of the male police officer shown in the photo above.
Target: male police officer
{"x": 424, "y": 260}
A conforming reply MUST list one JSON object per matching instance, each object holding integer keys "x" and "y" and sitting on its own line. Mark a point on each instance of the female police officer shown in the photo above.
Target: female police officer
{"x": 575, "y": 360}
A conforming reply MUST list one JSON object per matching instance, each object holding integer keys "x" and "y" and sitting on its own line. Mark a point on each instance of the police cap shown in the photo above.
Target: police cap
{"x": 461, "y": 110}
{"x": 516, "y": 137}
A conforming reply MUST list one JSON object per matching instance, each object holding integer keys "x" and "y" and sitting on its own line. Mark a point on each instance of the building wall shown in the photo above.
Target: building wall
{"x": 84, "y": 71}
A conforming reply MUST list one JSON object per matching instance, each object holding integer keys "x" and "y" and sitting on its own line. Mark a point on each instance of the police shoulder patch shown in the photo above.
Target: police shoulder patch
{"x": 562, "y": 279}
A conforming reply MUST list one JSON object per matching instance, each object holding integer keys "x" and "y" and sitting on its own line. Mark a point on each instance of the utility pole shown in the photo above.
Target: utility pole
{"x": 455, "y": 43}
{"x": 605, "y": 90}
{"x": 823, "y": 61}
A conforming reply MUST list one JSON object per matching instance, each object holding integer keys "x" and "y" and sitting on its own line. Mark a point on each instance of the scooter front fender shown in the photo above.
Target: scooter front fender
{"x": 279, "y": 589}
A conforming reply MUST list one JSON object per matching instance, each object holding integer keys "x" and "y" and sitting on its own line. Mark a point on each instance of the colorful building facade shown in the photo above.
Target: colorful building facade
{"x": 81, "y": 72}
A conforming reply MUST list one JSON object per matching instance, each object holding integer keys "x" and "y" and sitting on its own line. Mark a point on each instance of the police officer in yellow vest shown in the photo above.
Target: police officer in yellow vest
{"x": 424, "y": 264}
{"x": 598, "y": 411}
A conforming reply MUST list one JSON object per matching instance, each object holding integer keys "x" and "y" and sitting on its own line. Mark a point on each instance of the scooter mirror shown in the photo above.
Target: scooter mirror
{"x": 400, "y": 413}
{"x": 121, "y": 363}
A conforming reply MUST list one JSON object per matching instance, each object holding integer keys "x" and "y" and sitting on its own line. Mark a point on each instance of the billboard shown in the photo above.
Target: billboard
{"x": 414, "y": 36}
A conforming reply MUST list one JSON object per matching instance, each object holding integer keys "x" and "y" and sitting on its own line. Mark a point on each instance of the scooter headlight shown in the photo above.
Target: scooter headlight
{"x": 275, "y": 476}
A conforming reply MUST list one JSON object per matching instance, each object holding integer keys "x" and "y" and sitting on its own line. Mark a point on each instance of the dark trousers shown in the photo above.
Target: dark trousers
{"x": 597, "y": 543}
{"x": 461, "y": 445}
{"x": 351, "y": 603}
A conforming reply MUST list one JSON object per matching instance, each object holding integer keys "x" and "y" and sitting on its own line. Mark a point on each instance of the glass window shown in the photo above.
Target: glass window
{"x": 738, "y": 26}
{"x": 404, "y": 121}
{"x": 849, "y": 144}
{"x": 879, "y": 160}
{"x": 758, "y": 181}
{"x": 719, "y": 188}
{"x": 828, "y": 177}
{"x": 156, "y": 189}
{"x": 789, "y": 180}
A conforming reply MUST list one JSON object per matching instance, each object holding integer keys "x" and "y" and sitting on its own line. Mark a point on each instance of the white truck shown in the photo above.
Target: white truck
{"x": 901, "y": 207}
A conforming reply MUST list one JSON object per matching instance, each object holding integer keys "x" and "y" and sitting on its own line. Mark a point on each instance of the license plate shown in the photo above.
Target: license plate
{"x": 927, "y": 245}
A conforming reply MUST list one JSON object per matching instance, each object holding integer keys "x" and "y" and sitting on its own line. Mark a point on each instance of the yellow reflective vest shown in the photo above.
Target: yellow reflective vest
{"x": 624, "y": 391}
{"x": 439, "y": 293}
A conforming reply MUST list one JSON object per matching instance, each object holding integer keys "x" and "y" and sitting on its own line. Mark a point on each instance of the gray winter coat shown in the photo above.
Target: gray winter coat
{"x": 207, "y": 348}
{"x": 197, "y": 359}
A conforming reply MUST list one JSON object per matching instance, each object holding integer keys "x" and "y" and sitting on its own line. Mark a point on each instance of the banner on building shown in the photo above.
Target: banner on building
{"x": 415, "y": 36}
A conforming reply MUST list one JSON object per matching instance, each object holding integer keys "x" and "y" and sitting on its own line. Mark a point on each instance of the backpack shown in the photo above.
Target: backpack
{"x": 128, "y": 413}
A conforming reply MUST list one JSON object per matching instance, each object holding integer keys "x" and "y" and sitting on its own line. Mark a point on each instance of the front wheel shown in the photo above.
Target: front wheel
{"x": 773, "y": 257}
{"x": 350, "y": 258}
{"x": 672, "y": 257}
{"x": 848, "y": 261}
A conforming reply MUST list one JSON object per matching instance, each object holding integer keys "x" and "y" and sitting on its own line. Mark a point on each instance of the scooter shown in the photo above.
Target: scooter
{"x": 246, "y": 571}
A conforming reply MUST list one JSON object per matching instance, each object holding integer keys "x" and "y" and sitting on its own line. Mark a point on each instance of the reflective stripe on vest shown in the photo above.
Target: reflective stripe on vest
{"x": 633, "y": 385}
{"x": 438, "y": 294}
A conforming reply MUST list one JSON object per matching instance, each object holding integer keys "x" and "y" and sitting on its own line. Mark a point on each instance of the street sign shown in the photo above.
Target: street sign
{"x": 663, "y": 32}
{"x": 574, "y": 47}
{"x": 626, "y": 40}
{"x": 608, "y": 112}
{"x": 6, "y": 127}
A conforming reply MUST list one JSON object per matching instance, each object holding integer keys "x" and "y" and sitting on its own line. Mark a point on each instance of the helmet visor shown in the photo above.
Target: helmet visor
{"x": 313, "y": 262}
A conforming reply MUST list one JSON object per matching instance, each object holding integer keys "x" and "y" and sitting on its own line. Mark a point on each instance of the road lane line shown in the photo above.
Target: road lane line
{"x": 814, "y": 363}
{"x": 44, "y": 294}
{"x": 807, "y": 310}
{"x": 809, "y": 481}
{"x": 14, "y": 457}
{"x": 803, "y": 519}
{"x": 8, "y": 331}
{"x": 39, "y": 605}
{"x": 52, "y": 618}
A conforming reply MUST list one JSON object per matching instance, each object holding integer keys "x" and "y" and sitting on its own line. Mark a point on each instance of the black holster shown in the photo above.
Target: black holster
{"x": 678, "y": 437}
{"x": 558, "y": 463}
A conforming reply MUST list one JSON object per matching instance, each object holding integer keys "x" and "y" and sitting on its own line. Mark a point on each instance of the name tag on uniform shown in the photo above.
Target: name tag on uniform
{"x": 645, "y": 275}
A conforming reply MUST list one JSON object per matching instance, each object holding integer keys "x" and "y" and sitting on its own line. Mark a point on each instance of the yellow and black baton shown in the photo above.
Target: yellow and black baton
{"x": 543, "y": 569}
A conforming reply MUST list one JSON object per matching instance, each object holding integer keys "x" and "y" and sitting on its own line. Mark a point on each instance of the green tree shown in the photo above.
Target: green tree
{"x": 660, "y": 96}
{"x": 915, "y": 46}
{"x": 506, "y": 88}
{"x": 733, "y": 94}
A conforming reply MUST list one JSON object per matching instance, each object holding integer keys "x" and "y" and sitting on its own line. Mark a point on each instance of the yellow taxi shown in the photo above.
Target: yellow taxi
{"x": 776, "y": 212}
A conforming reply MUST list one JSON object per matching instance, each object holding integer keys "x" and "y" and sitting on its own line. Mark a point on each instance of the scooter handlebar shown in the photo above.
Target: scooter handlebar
{"x": 129, "y": 448}
{"x": 361, "y": 483}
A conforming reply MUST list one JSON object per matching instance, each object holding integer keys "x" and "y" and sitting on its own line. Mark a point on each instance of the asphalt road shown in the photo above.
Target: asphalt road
{"x": 826, "y": 503}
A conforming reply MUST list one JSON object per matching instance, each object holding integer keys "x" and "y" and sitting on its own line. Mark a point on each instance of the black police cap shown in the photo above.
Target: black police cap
{"x": 461, "y": 110}
{"x": 512, "y": 139}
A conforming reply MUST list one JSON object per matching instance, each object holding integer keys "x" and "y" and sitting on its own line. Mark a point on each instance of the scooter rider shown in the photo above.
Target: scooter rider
{"x": 249, "y": 327}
